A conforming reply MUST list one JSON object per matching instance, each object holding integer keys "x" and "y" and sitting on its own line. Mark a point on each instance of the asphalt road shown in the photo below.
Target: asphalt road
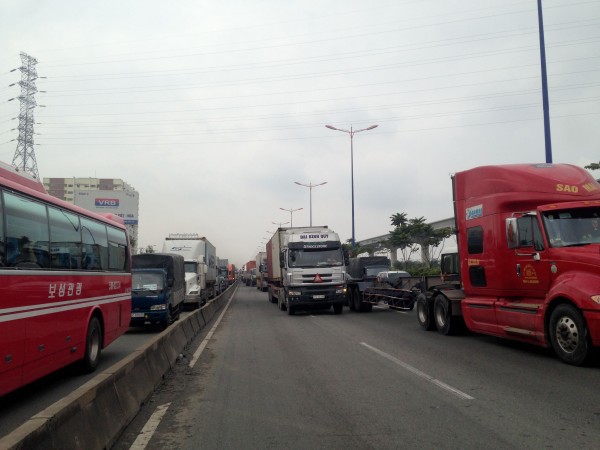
{"x": 364, "y": 380}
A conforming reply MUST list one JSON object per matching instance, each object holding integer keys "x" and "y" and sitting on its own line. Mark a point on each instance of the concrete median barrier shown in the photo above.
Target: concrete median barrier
{"x": 94, "y": 415}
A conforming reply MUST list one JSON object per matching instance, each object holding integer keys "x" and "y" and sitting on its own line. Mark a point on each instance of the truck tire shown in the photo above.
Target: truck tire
{"x": 359, "y": 304}
{"x": 280, "y": 303}
{"x": 442, "y": 315}
{"x": 569, "y": 335}
{"x": 425, "y": 313}
{"x": 291, "y": 310}
{"x": 338, "y": 308}
{"x": 93, "y": 346}
{"x": 271, "y": 299}
{"x": 349, "y": 300}
{"x": 356, "y": 300}
{"x": 168, "y": 320}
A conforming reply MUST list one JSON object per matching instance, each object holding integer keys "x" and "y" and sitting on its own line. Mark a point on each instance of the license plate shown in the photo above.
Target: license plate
{"x": 318, "y": 297}
{"x": 137, "y": 315}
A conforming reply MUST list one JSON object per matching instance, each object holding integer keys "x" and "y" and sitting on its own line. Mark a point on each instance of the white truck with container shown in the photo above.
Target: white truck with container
{"x": 261, "y": 271}
{"x": 200, "y": 266}
{"x": 306, "y": 269}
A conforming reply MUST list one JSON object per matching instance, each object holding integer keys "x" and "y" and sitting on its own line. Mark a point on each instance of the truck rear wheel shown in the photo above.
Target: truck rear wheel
{"x": 442, "y": 315}
{"x": 338, "y": 308}
{"x": 425, "y": 313}
{"x": 569, "y": 335}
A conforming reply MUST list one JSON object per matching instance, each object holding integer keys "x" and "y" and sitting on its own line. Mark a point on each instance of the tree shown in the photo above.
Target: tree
{"x": 404, "y": 235}
{"x": 414, "y": 234}
{"x": 433, "y": 244}
{"x": 593, "y": 166}
{"x": 353, "y": 252}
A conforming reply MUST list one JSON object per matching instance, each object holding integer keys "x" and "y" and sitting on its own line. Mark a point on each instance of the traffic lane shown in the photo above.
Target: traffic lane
{"x": 18, "y": 407}
{"x": 523, "y": 389}
{"x": 270, "y": 380}
{"x": 267, "y": 379}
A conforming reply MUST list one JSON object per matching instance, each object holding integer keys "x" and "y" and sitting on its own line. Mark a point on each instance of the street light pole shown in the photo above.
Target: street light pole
{"x": 352, "y": 132}
{"x": 291, "y": 211}
{"x": 310, "y": 186}
{"x": 279, "y": 224}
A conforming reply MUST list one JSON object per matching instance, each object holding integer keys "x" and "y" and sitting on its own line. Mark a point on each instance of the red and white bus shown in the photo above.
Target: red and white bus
{"x": 65, "y": 282}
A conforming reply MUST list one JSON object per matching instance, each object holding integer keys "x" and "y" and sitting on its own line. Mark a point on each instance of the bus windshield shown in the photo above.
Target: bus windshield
{"x": 572, "y": 227}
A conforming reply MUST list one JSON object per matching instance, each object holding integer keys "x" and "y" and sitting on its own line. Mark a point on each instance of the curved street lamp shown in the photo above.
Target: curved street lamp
{"x": 291, "y": 211}
{"x": 279, "y": 224}
{"x": 352, "y": 132}
{"x": 310, "y": 186}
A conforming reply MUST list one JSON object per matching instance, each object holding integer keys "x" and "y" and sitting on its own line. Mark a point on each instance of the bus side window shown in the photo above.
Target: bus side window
{"x": 27, "y": 227}
{"x": 65, "y": 235}
{"x": 117, "y": 250}
{"x": 95, "y": 245}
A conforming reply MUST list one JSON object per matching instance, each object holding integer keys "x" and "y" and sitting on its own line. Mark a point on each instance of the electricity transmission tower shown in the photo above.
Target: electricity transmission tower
{"x": 24, "y": 159}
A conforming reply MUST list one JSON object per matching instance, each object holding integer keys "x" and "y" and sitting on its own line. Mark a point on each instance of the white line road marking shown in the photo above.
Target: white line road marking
{"x": 417, "y": 372}
{"x": 148, "y": 431}
{"x": 204, "y": 343}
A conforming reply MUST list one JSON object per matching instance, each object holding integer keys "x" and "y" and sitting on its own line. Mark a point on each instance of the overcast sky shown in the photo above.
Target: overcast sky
{"x": 212, "y": 110}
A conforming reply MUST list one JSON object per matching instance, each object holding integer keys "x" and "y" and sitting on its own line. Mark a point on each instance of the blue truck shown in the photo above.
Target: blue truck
{"x": 157, "y": 289}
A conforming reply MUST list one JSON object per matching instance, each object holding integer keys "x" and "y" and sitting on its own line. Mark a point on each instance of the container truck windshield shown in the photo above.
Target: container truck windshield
{"x": 147, "y": 281}
{"x": 315, "y": 258}
{"x": 191, "y": 267}
{"x": 572, "y": 227}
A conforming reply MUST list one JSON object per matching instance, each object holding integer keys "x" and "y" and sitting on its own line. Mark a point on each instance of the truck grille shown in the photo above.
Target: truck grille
{"x": 310, "y": 278}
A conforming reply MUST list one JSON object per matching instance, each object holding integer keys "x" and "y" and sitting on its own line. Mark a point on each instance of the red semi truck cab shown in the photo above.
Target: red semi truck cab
{"x": 529, "y": 254}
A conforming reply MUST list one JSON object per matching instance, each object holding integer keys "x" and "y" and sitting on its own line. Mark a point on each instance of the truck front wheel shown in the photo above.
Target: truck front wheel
{"x": 349, "y": 299}
{"x": 356, "y": 300}
{"x": 425, "y": 313}
{"x": 569, "y": 335}
{"x": 280, "y": 302}
{"x": 168, "y": 319}
{"x": 442, "y": 315}
{"x": 338, "y": 308}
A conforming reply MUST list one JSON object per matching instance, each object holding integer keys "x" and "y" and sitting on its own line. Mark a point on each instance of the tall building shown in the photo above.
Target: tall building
{"x": 100, "y": 195}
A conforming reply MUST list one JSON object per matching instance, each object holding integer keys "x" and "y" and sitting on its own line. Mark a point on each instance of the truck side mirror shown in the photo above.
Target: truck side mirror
{"x": 170, "y": 282}
{"x": 512, "y": 232}
{"x": 346, "y": 257}
{"x": 282, "y": 260}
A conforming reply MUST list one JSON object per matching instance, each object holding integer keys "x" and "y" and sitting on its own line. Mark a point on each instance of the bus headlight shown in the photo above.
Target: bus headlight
{"x": 294, "y": 293}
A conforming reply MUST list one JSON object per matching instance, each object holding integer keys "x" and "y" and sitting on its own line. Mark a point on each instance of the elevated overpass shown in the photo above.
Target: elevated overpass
{"x": 382, "y": 242}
